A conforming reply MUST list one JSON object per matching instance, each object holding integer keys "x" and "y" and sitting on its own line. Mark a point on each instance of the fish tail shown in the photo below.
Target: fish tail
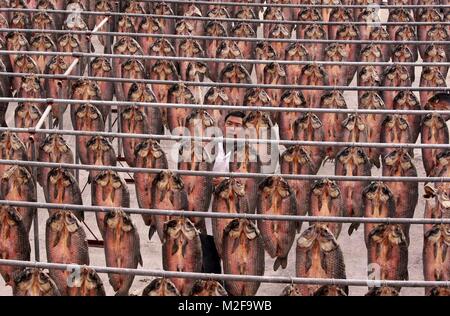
{"x": 280, "y": 262}
{"x": 353, "y": 227}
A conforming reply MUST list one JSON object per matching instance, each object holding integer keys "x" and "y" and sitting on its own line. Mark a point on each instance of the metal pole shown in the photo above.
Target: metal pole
{"x": 230, "y": 277}
{"x": 225, "y": 174}
{"x": 249, "y": 216}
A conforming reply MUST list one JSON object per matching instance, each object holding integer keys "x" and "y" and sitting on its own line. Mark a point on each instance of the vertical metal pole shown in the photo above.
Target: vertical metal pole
{"x": 37, "y": 256}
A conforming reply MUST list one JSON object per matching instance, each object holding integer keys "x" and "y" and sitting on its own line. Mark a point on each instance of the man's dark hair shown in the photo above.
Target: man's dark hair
{"x": 235, "y": 113}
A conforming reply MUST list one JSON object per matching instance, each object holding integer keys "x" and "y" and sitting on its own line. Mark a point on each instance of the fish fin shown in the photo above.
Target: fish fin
{"x": 57, "y": 239}
{"x": 376, "y": 162}
{"x": 353, "y": 227}
{"x": 235, "y": 245}
{"x": 140, "y": 260}
{"x": 174, "y": 248}
{"x": 151, "y": 232}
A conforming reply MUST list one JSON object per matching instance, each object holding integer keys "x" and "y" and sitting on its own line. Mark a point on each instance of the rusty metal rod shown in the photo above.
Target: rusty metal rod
{"x": 234, "y": 85}
{"x": 228, "y": 38}
{"x": 223, "y": 174}
{"x": 227, "y": 60}
{"x": 230, "y": 19}
{"x": 228, "y": 277}
{"x": 184, "y": 213}
{"x": 227, "y": 107}
{"x": 224, "y": 139}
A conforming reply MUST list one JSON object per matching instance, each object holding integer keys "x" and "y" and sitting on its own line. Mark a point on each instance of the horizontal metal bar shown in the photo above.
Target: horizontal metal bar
{"x": 257, "y": 217}
{"x": 223, "y": 174}
{"x": 224, "y": 139}
{"x": 229, "y": 277}
{"x": 227, "y": 60}
{"x": 229, "y": 38}
{"x": 234, "y": 85}
{"x": 231, "y": 19}
{"x": 383, "y": 5}
{"x": 226, "y": 107}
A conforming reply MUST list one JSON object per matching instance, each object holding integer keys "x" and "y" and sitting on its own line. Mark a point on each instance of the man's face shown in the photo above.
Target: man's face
{"x": 233, "y": 125}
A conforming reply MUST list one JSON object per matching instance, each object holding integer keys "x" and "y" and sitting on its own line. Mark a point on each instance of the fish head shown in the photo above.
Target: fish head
{"x": 406, "y": 99}
{"x": 9, "y": 216}
{"x": 218, "y": 13}
{"x": 230, "y": 188}
{"x": 369, "y": 76}
{"x": 19, "y": 20}
{"x": 325, "y": 188}
{"x": 279, "y": 31}
{"x": 437, "y": 33}
{"x": 140, "y": 92}
{"x": 296, "y": 51}
{"x": 273, "y": 72}
{"x": 57, "y": 65}
{"x": 198, "y": 121}
{"x": 16, "y": 41}
{"x": 371, "y": 53}
{"x": 352, "y": 158}
{"x": 103, "y": 6}
{"x": 54, "y": 146}
{"x": 243, "y": 29}
{"x": 336, "y": 52}
{"x": 26, "y": 115}
{"x": 383, "y": 291}
{"x": 150, "y": 25}
{"x": 161, "y": 287}
{"x": 26, "y": 64}
{"x": 110, "y": 179}
{"x": 42, "y": 20}
{"x": 440, "y": 291}
{"x": 274, "y": 14}
{"x": 162, "y": 47}
{"x": 133, "y": 68}
{"x": 31, "y": 85}
{"x": 355, "y": 123}
{"x": 228, "y": 50}
{"x": 99, "y": 145}
{"x": 184, "y": 27}
{"x": 43, "y": 43}
{"x": 215, "y": 28}
{"x": 309, "y": 14}
{"x": 313, "y": 74}
{"x": 377, "y": 191}
{"x": 308, "y": 122}
{"x": 440, "y": 101}
{"x": 291, "y": 290}
{"x": 180, "y": 93}
{"x": 258, "y": 120}
{"x": 379, "y": 34}
{"x": 330, "y": 290}
{"x": 246, "y": 13}
{"x": 264, "y": 51}
{"x": 399, "y": 161}
{"x": 127, "y": 45}
{"x": 76, "y": 23}
{"x": 391, "y": 234}
{"x": 68, "y": 43}
{"x": 293, "y": 98}
{"x": 85, "y": 89}
{"x": 235, "y": 73}
{"x": 63, "y": 221}
{"x": 371, "y": 100}
{"x": 347, "y": 32}
{"x": 242, "y": 227}
{"x": 164, "y": 70}
{"x": 397, "y": 75}
{"x": 180, "y": 228}
{"x": 34, "y": 281}
{"x": 89, "y": 279}
{"x": 318, "y": 233}
{"x": 257, "y": 97}
{"x": 10, "y": 140}
{"x": 435, "y": 53}
{"x": 433, "y": 122}
{"x": 333, "y": 99}
{"x": 101, "y": 65}
{"x": 133, "y": 115}
{"x": 197, "y": 71}
{"x": 119, "y": 220}
{"x": 216, "y": 96}
{"x": 89, "y": 116}
{"x": 208, "y": 288}
{"x": 297, "y": 155}
{"x": 433, "y": 76}
{"x": 275, "y": 186}
{"x": 168, "y": 181}
{"x": 61, "y": 177}
{"x": 149, "y": 148}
